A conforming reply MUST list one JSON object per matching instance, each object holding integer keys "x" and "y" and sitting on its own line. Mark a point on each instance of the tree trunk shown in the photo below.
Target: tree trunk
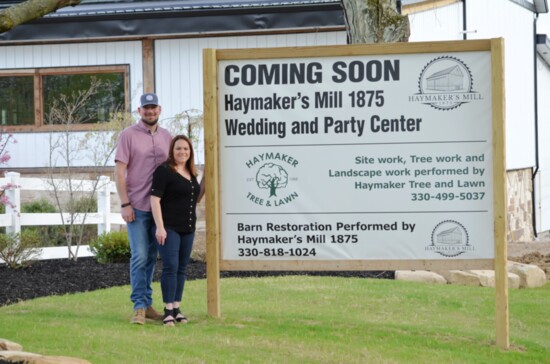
{"x": 30, "y": 10}
{"x": 375, "y": 21}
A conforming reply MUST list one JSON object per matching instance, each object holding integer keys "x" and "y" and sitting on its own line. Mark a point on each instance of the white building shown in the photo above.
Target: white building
{"x": 157, "y": 46}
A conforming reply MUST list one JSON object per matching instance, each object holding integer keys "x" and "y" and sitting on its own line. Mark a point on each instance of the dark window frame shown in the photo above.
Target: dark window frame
{"x": 39, "y": 124}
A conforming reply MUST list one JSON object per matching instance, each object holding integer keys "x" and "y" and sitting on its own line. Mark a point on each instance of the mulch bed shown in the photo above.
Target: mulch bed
{"x": 62, "y": 276}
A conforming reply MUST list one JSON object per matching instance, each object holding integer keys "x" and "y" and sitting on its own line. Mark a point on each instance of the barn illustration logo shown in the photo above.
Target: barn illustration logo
{"x": 445, "y": 83}
{"x": 450, "y": 239}
{"x": 272, "y": 182}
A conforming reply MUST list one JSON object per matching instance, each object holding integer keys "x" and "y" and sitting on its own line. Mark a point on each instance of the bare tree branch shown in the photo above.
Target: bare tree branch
{"x": 30, "y": 10}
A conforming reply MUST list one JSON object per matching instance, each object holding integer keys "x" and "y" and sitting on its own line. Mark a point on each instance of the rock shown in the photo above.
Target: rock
{"x": 419, "y": 276}
{"x": 9, "y": 345}
{"x": 530, "y": 275}
{"x": 31, "y": 358}
{"x": 487, "y": 278}
{"x": 16, "y": 356}
{"x": 59, "y": 360}
{"x": 484, "y": 278}
{"x": 513, "y": 280}
{"x": 461, "y": 277}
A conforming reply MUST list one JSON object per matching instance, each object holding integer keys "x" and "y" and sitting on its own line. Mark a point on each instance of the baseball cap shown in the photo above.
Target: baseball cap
{"x": 149, "y": 99}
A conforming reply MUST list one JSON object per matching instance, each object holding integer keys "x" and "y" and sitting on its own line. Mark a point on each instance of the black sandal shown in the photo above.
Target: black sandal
{"x": 168, "y": 318}
{"x": 179, "y": 316}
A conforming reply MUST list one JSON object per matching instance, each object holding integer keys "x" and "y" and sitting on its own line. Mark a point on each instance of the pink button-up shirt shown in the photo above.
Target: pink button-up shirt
{"x": 142, "y": 152}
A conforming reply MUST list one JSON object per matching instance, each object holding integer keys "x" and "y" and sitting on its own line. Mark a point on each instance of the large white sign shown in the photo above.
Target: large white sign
{"x": 359, "y": 157}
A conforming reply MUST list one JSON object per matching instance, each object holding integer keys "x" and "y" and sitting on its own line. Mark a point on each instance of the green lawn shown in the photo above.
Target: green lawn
{"x": 293, "y": 319}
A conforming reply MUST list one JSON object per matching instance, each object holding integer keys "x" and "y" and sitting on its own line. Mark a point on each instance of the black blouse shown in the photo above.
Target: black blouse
{"x": 178, "y": 198}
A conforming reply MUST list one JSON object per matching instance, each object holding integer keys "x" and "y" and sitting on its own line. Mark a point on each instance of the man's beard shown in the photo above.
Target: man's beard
{"x": 151, "y": 123}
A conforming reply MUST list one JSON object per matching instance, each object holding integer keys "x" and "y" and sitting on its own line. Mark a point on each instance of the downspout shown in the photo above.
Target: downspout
{"x": 464, "y": 23}
{"x": 536, "y": 102}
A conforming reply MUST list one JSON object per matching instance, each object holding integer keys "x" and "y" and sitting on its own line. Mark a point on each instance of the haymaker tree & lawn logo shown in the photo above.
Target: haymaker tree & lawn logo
{"x": 270, "y": 175}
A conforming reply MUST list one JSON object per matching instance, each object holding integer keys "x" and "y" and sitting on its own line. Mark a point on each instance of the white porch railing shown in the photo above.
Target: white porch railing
{"x": 103, "y": 217}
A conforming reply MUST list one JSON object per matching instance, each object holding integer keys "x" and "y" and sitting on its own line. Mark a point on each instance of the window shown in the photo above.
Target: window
{"x": 39, "y": 99}
{"x": 16, "y": 93}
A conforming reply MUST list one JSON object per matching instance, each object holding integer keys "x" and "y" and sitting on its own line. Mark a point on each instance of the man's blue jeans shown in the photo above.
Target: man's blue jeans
{"x": 143, "y": 244}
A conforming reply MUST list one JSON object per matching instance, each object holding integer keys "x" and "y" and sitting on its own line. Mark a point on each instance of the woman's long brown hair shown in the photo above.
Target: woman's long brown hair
{"x": 190, "y": 164}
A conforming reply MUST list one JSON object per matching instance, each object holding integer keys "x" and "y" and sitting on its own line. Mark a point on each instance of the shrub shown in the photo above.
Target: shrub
{"x": 113, "y": 247}
{"x": 38, "y": 206}
{"x": 55, "y": 235}
{"x": 49, "y": 235}
{"x": 18, "y": 250}
{"x": 85, "y": 204}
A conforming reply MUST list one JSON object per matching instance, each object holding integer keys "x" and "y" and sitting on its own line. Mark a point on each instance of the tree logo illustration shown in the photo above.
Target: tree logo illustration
{"x": 271, "y": 176}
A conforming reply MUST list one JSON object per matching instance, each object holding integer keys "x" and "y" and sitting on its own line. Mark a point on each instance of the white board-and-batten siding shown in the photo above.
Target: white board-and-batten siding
{"x": 441, "y": 24}
{"x": 178, "y": 74}
{"x": 513, "y": 23}
{"x": 32, "y": 149}
{"x": 178, "y": 63}
{"x": 506, "y": 19}
{"x": 542, "y": 185}
{"x": 178, "y": 66}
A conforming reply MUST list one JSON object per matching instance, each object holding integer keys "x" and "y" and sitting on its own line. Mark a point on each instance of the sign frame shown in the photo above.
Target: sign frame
{"x": 215, "y": 263}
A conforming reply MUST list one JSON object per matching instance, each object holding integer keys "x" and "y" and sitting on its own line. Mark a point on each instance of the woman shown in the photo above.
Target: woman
{"x": 174, "y": 196}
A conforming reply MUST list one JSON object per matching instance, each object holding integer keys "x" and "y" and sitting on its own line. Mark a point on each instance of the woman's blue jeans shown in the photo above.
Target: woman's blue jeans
{"x": 143, "y": 245}
{"x": 175, "y": 254}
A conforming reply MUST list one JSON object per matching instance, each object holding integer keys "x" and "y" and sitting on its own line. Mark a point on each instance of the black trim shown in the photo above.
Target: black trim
{"x": 542, "y": 39}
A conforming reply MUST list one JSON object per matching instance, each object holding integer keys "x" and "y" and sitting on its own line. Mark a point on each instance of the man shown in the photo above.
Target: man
{"x": 141, "y": 148}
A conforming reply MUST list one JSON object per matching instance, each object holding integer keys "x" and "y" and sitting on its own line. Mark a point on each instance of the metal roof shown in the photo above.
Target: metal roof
{"x": 102, "y": 7}
{"x": 541, "y": 6}
{"x": 100, "y": 19}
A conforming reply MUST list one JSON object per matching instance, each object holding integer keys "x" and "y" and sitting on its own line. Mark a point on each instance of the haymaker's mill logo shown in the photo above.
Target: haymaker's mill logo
{"x": 445, "y": 83}
{"x": 450, "y": 239}
{"x": 272, "y": 180}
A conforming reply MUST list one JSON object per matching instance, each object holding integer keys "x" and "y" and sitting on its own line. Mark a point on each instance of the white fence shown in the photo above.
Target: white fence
{"x": 12, "y": 219}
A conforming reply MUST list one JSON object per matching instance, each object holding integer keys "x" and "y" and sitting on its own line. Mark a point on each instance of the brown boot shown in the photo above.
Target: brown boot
{"x": 138, "y": 317}
{"x": 152, "y": 314}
